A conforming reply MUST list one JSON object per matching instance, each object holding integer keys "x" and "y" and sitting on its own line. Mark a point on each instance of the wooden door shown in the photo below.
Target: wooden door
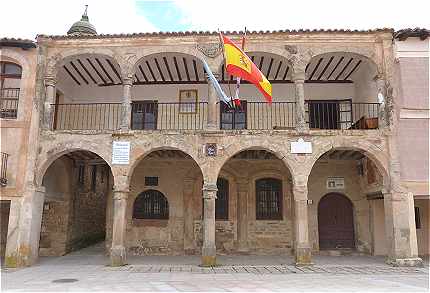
{"x": 335, "y": 222}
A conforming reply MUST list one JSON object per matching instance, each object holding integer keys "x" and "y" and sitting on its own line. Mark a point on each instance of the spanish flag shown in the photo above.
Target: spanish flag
{"x": 238, "y": 64}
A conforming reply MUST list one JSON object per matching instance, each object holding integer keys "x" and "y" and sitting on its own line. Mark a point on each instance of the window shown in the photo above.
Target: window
{"x": 233, "y": 118}
{"x": 268, "y": 196}
{"x": 81, "y": 175}
{"x": 221, "y": 203}
{"x": 144, "y": 115}
{"x": 10, "y": 80}
{"x": 151, "y": 181}
{"x": 151, "y": 204}
{"x": 417, "y": 218}
{"x": 94, "y": 178}
{"x": 188, "y": 101}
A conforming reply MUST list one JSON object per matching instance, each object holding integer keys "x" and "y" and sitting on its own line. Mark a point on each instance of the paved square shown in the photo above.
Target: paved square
{"x": 86, "y": 270}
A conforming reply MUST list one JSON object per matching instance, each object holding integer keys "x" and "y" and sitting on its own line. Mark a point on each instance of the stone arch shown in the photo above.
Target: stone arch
{"x": 55, "y": 153}
{"x": 238, "y": 148}
{"x": 54, "y": 62}
{"x": 138, "y": 157}
{"x": 375, "y": 154}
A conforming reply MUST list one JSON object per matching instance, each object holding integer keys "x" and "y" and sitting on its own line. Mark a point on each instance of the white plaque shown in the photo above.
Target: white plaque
{"x": 121, "y": 152}
{"x": 301, "y": 147}
{"x": 335, "y": 183}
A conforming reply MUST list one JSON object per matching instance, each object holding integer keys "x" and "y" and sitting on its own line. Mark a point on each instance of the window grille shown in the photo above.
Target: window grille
{"x": 10, "y": 82}
{"x": 81, "y": 175}
{"x": 221, "y": 203}
{"x": 94, "y": 178}
{"x": 268, "y": 199}
{"x": 151, "y": 204}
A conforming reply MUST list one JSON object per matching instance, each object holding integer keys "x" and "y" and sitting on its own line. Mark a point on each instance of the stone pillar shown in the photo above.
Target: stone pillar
{"x": 299, "y": 90}
{"x": 400, "y": 229}
{"x": 212, "y": 104}
{"x": 48, "y": 116}
{"x": 242, "y": 214}
{"x": 22, "y": 247}
{"x": 118, "y": 250}
{"x": 126, "y": 103}
{"x": 302, "y": 247}
{"x": 209, "y": 248}
{"x": 188, "y": 215}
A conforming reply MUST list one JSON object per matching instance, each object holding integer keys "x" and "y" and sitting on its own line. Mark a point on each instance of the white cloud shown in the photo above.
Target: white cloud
{"x": 27, "y": 18}
{"x": 307, "y": 14}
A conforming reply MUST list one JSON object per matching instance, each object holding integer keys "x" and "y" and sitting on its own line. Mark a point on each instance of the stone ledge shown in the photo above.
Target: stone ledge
{"x": 405, "y": 262}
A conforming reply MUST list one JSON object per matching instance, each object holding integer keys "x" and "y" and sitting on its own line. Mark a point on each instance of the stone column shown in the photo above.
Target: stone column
{"x": 48, "y": 117}
{"x": 22, "y": 247}
{"x": 302, "y": 247}
{"x": 299, "y": 90}
{"x": 242, "y": 214}
{"x": 118, "y": 250}
{"x": 126, "y": 103}
{"x": 188, "y": 215}
{"x": 209, "y": 248}
{"x": 212, "y": 104}
{"x": 400, "y": 229}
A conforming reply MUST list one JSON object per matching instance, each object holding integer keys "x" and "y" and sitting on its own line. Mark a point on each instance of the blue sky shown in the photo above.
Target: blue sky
{"x": 164, "y": 15}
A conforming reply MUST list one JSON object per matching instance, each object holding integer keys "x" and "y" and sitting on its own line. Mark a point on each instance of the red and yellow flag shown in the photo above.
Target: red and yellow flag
{"x": 240, "y": 65}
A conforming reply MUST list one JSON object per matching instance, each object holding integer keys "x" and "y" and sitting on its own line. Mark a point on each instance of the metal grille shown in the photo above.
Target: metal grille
{"x": 3, "y": 178}
{"x": 268, "y": 199}
{"x": 221, "y": 203}
{"x": 151, "y": 204}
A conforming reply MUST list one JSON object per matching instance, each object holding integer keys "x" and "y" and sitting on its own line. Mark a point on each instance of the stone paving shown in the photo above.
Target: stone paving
{"x": 87, "y": 270}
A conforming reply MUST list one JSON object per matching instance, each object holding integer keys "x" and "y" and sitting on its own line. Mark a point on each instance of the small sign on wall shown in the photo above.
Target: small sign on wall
{"x": 301, "y": 147}
{"x": 121, "y": 152}
{"x": 335, "y": 183}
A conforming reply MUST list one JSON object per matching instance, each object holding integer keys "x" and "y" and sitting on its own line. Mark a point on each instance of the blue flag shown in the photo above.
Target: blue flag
{"x": 222, "y": 96}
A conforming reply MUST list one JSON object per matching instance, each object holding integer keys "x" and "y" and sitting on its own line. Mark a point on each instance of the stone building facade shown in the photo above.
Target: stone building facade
{"x": 199, "y": 178}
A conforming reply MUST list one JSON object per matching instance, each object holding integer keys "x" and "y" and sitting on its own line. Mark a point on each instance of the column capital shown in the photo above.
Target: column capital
{"x": 127, "y": 81}
{"x": 210, "y": 187}
{"x": 50, "y": 80}
{"x": 299, "y": 76}
{"x": 120, "y": 194}
{"x": 216, "y": 75}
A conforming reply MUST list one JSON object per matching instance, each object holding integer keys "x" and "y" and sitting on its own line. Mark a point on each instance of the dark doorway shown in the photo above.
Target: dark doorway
{"x": 4, "y": 216}
{"x": 144, "y": 115}
{"x": 233, "y": 118}
{"x": 335, "y": 222}
{"x": 323, "y": 114}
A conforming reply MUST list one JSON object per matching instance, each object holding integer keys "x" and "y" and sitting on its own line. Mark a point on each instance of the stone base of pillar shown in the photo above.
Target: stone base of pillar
{"x": 405, "y": 262}
{"x": 208, "y": 256}
{"x": 303, "y": 256}
{"x": 21, "y": 259}
{"x": 118, "y": 256}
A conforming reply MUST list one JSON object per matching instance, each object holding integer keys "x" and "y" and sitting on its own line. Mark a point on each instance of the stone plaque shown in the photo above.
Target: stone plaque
{"x": 301, "y": 147}
{"x": 121, "y": 152}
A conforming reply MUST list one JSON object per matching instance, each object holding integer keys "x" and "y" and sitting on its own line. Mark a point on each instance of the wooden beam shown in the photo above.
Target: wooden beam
{"x": 104, "y": 70}
{"x": 277, "y": 70}
{"x": 97, "y": 72}
{"x": 114, "y": 69}
{"x": 195, "y": 69}
{"x": 184, "y": 60}
{"x": 177, "y": 68}
{"x": 71, "y": 75}
{"x": 137, "y": 78}
{"x": 159, "y": 69}
{"x": 86, "y": 71}
{"x": 325, "y": 68}
{"x": 340, "y": 60}
{"x": 353, "y": 69}
{"x": 261, "y": 63}
{"x": 278, "y": 81}
{"x": 343, "y": 70}
{"x": 150, "y": 70}
{"x": 316, "y": 68}
{"x": 143, "y": 73}
{"x": 286, "y": 72}
{"x": 270, "y": 68}
{"x": 79, "y": 73}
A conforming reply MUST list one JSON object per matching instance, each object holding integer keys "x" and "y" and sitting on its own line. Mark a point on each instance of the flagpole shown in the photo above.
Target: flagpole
{"x": 237, "y": 100}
